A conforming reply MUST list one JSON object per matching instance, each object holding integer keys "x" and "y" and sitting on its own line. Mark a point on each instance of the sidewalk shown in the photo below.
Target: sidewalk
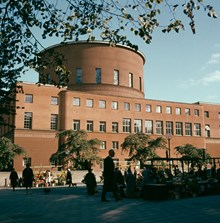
{"x": 65, "y": 204}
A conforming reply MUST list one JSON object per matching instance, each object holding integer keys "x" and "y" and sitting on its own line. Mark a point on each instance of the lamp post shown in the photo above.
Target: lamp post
{"x": 169, "y": 136}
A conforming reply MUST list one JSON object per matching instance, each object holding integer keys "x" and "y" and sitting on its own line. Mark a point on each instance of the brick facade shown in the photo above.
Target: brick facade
{"x": 94, "y": 102}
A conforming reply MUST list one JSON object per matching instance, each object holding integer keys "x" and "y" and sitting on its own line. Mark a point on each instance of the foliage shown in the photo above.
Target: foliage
{"x": 8, "y": 151}
{"x": 25, "y": 24}
{"x": 77, "y": 149}
{"x": 193, "y": 155}
{"x": 140, "y": 146}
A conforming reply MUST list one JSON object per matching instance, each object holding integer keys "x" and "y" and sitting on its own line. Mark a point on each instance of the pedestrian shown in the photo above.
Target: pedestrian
{"x": 69, "y": 178}
{"x": 28, "y": 178}
{"x": 119, "y": 178}
{"x": 13, "y": 178}
{"x": 47, "y": 178}
{"x": 109, "y": 177}
{"x": 90, "y": 182}
{"x": 130, "y": 184}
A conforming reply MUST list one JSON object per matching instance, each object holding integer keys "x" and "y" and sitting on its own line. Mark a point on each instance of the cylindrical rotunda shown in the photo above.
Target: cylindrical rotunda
{"x": 97, "y": 67}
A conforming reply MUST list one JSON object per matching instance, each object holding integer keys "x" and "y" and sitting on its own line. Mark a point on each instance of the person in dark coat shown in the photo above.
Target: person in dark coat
{"x": 13, "y": 178}
{"x": 130, "y": 184}
{"x": 28, "y": 178}
{"x": 109, "y": 177}
{"x": 69, "y": 178}
{"x": 120, "y": 182}
{"x": 90, "y": 182}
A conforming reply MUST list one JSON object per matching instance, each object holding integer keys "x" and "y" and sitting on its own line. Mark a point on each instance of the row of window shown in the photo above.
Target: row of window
{"x": 126, "y": 106}
{"x": 177, "y": 128}
{"x": 138, "y": 107}
{"x": 28, "y": 119}
{"x": 98, "y": 77}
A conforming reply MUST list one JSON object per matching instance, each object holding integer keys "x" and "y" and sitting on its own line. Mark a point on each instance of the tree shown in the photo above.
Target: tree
{"x": 25, "y": 24}
{"x": 193, "y": 155}
{"x": 8, "y": 151}
{"x": 140, "y": 146}
{"x": 76, "y": 149}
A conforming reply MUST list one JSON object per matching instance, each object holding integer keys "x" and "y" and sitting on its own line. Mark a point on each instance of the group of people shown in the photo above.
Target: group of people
{"x": 26, "y": 180}
{"x": 115, "y": 182}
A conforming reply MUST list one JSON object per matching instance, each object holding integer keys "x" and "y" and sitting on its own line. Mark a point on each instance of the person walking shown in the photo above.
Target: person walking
{"x": 28, "y": 178}
{"x": 130, "y": 184}
{"x": 13, "y": 178}
{"x": 109, "y": 177}
{"x": 69, "y": 178}
{"x": 119, "y": 178}
{"x": 47, "y": 178}
{"x": 90, "y": 182}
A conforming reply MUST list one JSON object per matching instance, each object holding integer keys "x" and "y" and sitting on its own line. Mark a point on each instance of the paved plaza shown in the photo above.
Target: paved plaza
{"x": 64, "y": 204}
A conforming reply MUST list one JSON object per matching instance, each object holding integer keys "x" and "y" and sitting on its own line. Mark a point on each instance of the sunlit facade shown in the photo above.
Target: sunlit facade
{"x": 105, "y": 97}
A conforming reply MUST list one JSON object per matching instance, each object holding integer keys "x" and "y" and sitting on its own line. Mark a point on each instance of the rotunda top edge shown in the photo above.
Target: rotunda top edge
{"x": 95, "y": 42}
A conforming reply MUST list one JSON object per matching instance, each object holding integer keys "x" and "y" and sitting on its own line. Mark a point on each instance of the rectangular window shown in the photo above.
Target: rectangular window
{"x": 76, "y": 125}
{"x": 102, "y": 104}
{"x": 28, "y": 98}
{"x": 115, "y": 145}
{"x": 103, "y": 145}
{"x": 126, "y": 125}
{"x": 178, "y": 111}
{"x": 79, "y": 75}
{"x": 206, "y": 113}
{"x": 159, "y": 127}
{"x": 179, "y": 128}
{"x": 89, "y": 126}
{"x": 168, "y": 110}
{"x": 126, "y": 106}
{"x": 54, "y": 100}
{"x": 130, "y": 81}
{"x": 149, "y": 126}
{"x": 98, "y": 75}
{"x": 102, "y": 126}
{"x": 137, "y": 107}
{"x": 116, "y": 77}
{"x": 89, "y": 103}
{"x": 137, "y": 125}
{"x": 158, "y": 109}
{"x": 197, "y": 129}
{"x": 188, "y": 129}
{"x": 207, "y": 130}
{"x": 196, "y": 112}
{"x": 54, "y": 122}
{"x": 187, "y": 111}
{"x": 28, "y": 120}
{"x": 169, "y": 127}
{"x": 115, "y": 105}
{"x": 148, "y": 108}
{"x": 76, "y": 101}
{"x": 114, "y": 126}
{"x": 219, "y": 115}
{"x": 140, "y": 84}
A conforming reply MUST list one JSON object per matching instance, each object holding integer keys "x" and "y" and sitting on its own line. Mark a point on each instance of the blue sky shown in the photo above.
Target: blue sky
{"x": 185, "y": 67}
{"x": 180, "y": 67}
